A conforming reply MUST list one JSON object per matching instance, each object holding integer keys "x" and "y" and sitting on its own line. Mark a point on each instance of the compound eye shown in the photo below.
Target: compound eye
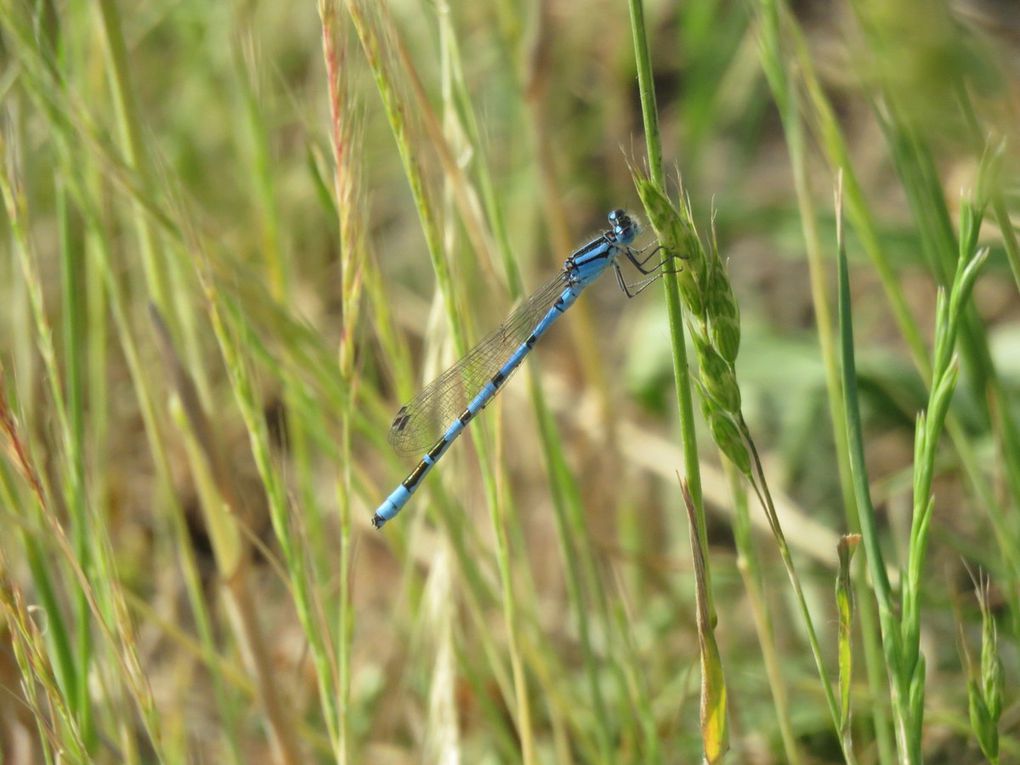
{"x": 615, "y": 215}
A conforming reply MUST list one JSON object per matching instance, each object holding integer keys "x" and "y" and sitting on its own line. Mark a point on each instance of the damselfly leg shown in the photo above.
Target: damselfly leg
{"x": 639, "y": 263}
{"x": 652, "y": 275}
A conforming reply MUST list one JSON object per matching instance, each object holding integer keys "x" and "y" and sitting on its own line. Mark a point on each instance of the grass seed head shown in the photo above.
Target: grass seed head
{"x": 721, "y": 310}
{"x": 727, "y": 436}
{"x": 677, "y": 235}
{"x": 717, "y": 376}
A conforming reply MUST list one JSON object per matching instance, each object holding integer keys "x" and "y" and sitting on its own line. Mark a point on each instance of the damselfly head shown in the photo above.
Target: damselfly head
{"x": 625, "y": 228}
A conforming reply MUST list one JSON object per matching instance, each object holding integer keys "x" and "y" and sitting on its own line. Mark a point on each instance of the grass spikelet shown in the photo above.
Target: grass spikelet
{"x": 675, "y": 231}
{"x": 727, "y": 435}
{"x": 985, "y": 679}
{"x": 721, "y": 310}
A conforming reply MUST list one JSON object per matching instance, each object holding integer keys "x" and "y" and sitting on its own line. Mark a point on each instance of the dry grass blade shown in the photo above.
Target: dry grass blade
{"x": 714, "y": 723}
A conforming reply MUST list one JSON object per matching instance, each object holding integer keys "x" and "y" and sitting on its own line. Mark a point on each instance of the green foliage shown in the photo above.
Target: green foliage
{"x": 238, "y": 236}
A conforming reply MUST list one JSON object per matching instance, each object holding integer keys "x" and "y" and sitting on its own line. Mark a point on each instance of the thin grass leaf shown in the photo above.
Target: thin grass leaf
{"x": 845, "y": 608}
{"x": 714, "y": 724}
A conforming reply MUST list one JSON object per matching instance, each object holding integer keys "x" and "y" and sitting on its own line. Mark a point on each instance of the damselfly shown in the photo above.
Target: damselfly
{"x": 431, "y": 420}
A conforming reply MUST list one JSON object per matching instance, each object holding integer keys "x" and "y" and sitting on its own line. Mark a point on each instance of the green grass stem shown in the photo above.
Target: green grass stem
{"x": 681, "y": 369}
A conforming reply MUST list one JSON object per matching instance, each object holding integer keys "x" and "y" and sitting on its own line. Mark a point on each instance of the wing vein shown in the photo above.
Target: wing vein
{"x": 421, "y": 421}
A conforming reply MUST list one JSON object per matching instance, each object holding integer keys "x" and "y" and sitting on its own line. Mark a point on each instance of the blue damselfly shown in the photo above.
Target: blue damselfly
{"x": 437, "y": 415}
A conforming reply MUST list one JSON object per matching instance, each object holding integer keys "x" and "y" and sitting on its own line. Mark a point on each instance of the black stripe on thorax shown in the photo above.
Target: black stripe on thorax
{"x": 581, "y": 256}
{"x": 593, "y": 244}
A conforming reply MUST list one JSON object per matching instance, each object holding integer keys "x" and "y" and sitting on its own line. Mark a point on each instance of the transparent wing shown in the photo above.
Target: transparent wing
{"x": 420, "y": 423}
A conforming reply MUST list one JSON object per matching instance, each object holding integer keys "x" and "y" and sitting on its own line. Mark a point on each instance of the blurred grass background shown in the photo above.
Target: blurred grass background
{"x": 238, "y": 236}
